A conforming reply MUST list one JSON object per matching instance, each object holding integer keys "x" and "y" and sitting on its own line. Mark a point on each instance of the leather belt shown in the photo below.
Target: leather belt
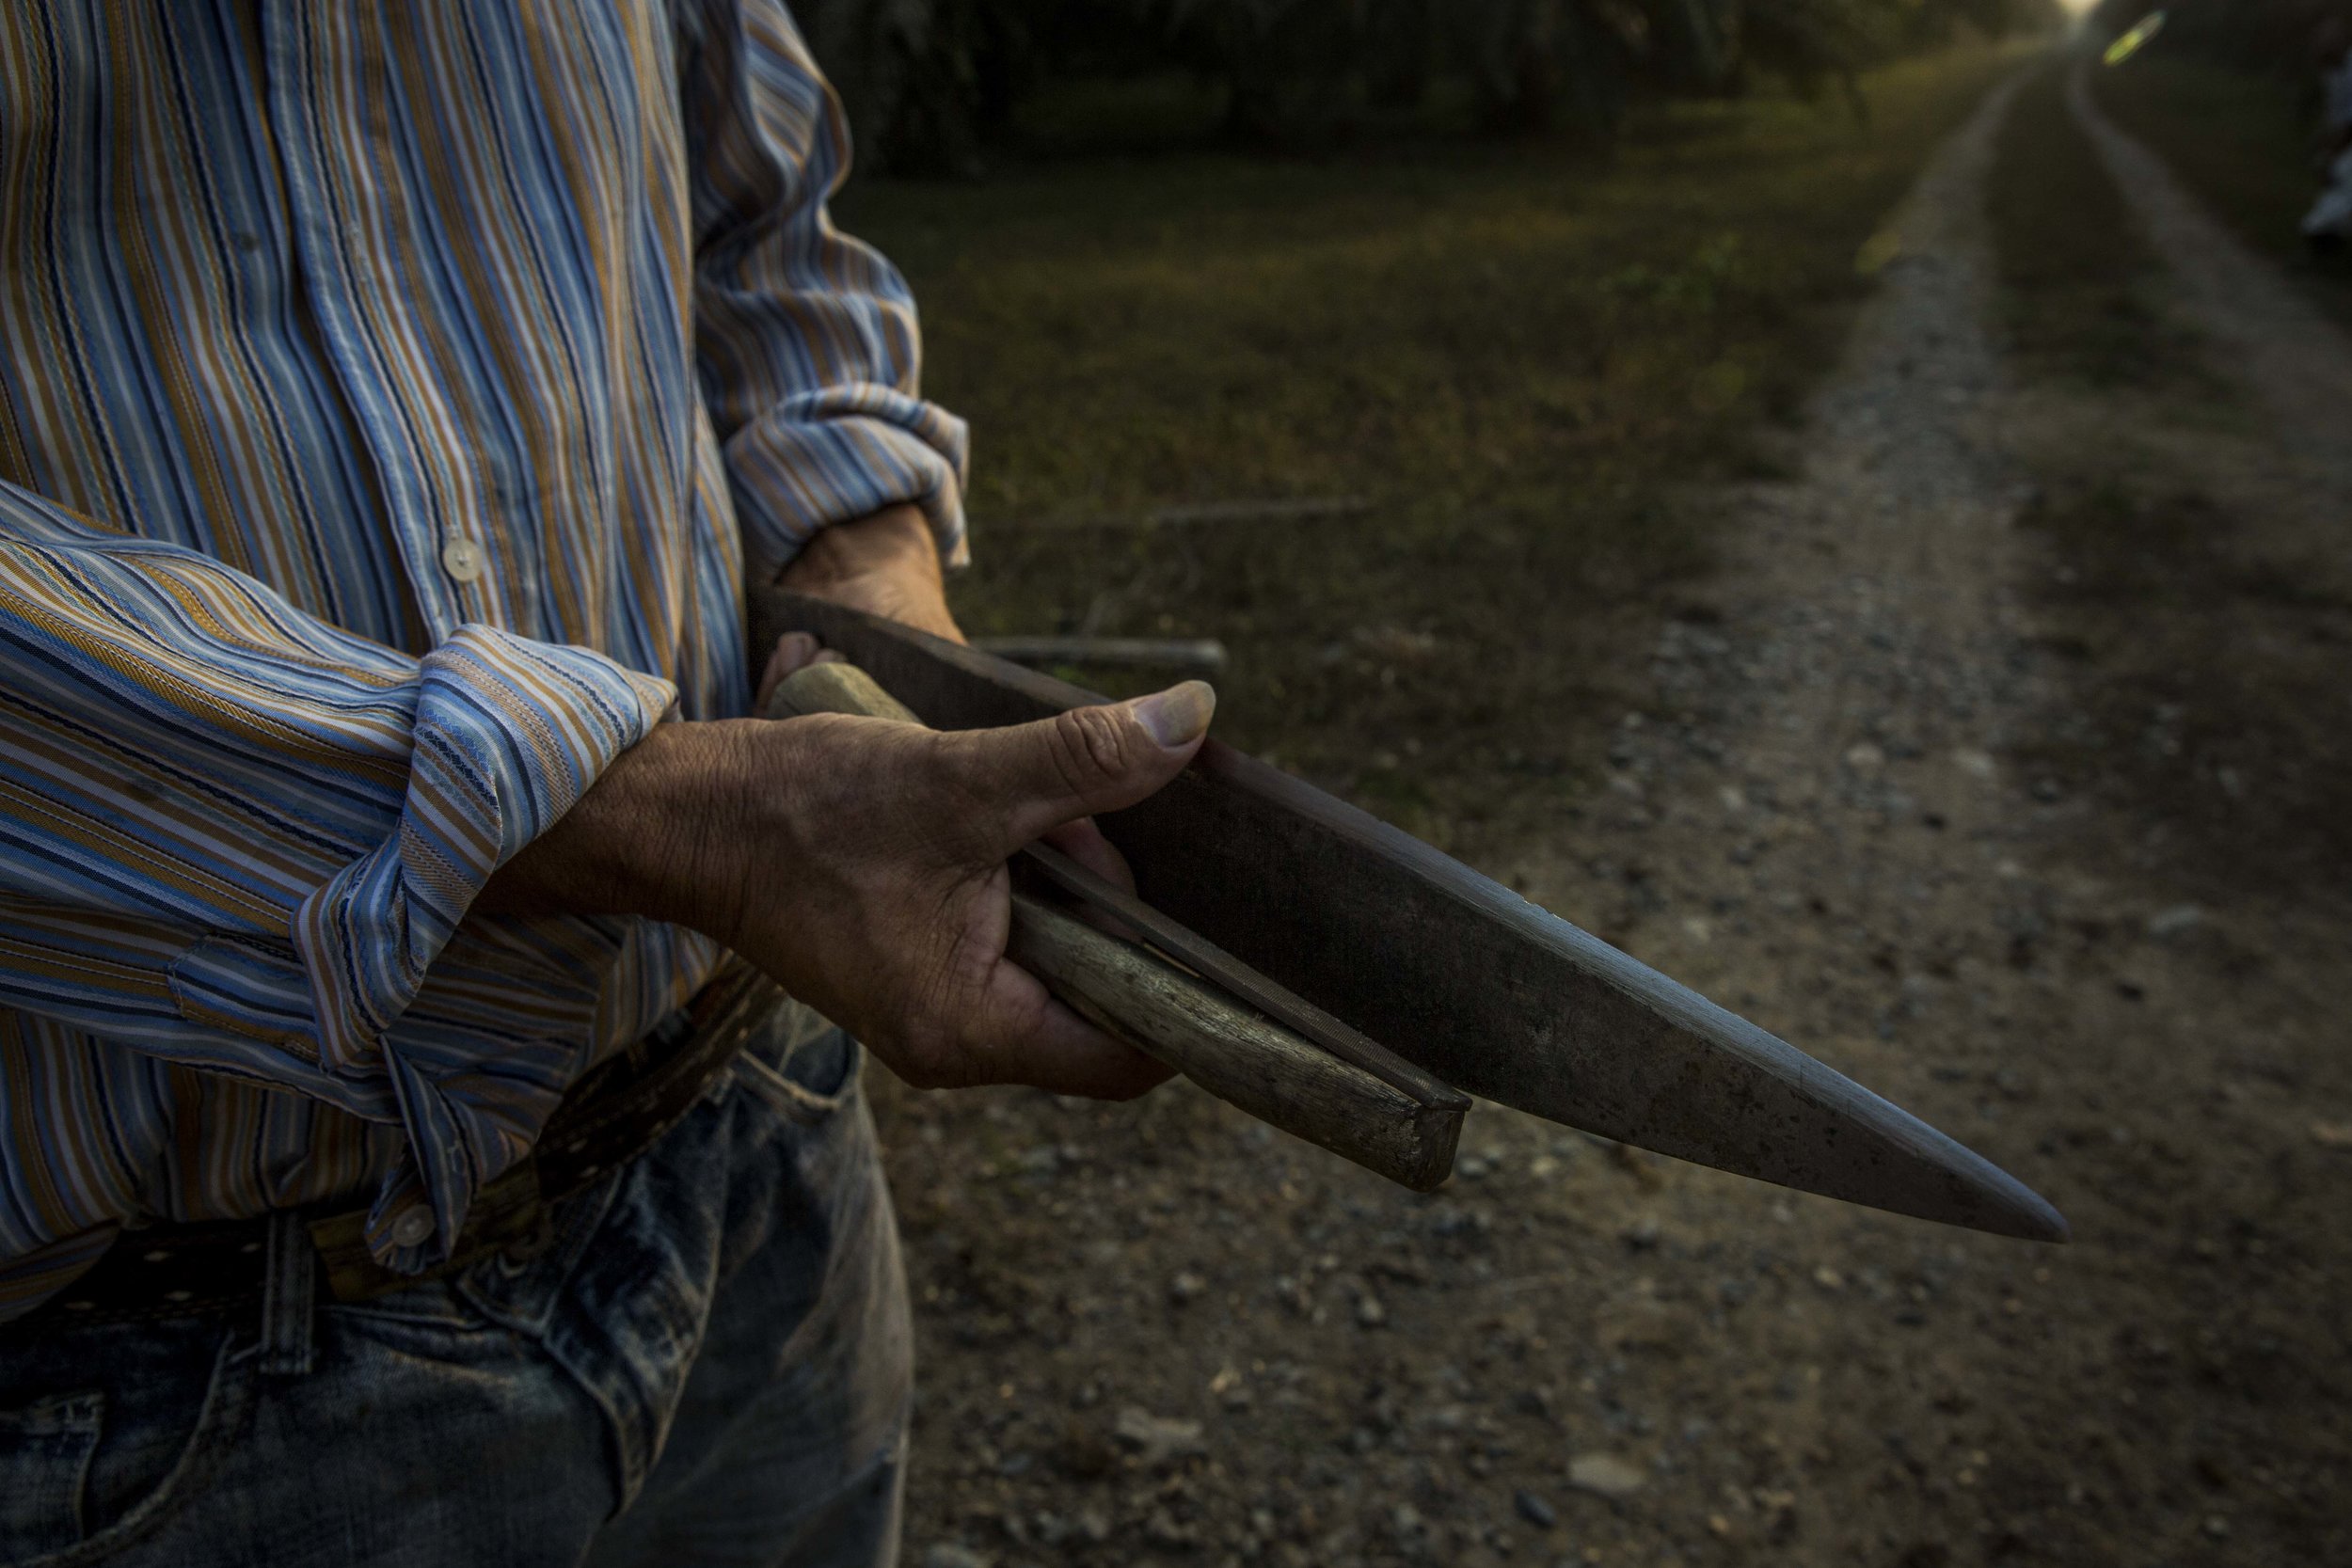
{"x": 621, "y": 1108}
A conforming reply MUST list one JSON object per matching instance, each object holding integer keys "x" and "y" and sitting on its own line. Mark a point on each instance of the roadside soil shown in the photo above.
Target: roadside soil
{"x": 2030, "y": 826}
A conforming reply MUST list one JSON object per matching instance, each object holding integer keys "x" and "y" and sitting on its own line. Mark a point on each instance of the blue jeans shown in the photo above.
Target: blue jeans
{"x": 710, "y": 1363}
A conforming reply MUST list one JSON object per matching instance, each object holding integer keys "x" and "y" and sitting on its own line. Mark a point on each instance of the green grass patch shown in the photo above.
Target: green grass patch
{"x": 2240, "y": 141}
{"x": 1521, "y": 355}
{"x": 2080, "y": 280}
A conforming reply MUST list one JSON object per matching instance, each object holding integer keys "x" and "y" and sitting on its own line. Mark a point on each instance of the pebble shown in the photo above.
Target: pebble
{"x": 1184, "y": 1286}
{"x": 950, "y": 1555}
{"x": 1369, "y": 1312}
{"x": 2167, "y": 924}
{"x": 1605, "y": 1475}
{"x": 1162, "y": 1529}
{"x": 1534, "y": 1510}
{"x": 1156, "y": 1438}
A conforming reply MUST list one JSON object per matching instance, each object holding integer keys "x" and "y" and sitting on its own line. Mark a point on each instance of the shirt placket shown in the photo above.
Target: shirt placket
{"x": 444, "y": 558}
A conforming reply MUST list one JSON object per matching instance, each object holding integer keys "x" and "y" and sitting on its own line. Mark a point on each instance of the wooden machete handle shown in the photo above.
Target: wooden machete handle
{"x": 1235, "y": 1052}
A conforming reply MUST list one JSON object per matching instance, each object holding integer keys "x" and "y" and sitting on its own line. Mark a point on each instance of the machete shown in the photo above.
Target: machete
{"x": 1450, "y": 971}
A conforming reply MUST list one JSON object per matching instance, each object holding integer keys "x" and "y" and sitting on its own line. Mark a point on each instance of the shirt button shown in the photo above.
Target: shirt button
{"x": 462, "y": 559}
{"x": 413, "y": 1228}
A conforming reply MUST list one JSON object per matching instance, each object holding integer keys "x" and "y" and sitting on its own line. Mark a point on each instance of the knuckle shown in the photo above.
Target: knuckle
{"x": 1090, "y": 745}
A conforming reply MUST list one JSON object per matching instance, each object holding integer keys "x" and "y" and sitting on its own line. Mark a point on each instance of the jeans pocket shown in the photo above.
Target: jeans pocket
{"x": 789, "y": 1094}
{"x": 85, "y": 1475}
{"x": 45, "y": 1450}
{"x": 804, "y": 1071}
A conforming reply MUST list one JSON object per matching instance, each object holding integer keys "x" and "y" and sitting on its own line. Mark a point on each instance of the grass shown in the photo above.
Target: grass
{"x": 1523, "y": 356}
{"x": 2238, "y": 140}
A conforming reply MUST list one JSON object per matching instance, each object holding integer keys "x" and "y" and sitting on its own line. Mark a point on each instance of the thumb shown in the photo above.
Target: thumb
{"x": 1089, "y": 759}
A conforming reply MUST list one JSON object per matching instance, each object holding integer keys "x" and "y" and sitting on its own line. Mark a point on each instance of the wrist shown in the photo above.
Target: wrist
{"x": 895, "y": 542}
{"x": 886, "y": 565}
{"x": 638, "y": 840}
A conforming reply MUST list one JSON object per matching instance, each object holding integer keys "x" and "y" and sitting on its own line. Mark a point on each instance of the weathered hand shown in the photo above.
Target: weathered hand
{"x": 861, "y": 864}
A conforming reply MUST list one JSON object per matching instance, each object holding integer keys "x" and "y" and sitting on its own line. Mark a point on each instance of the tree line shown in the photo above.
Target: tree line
{"x": 932, "y": 84}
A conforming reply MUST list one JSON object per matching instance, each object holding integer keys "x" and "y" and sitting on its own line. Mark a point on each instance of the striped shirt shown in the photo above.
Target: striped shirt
{"x": 390, "y": 398}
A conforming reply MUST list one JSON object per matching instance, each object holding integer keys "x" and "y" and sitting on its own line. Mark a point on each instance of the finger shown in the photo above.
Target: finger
{"x": 793, "y": 650}
{"x": 1083, "y": 842}
{"x": 1025, "y": 1037}
{"x": 1040, "y": 775}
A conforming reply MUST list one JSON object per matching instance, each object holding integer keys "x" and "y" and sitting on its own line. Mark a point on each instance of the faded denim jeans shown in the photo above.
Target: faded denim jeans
{"x": 710, "y": 1364}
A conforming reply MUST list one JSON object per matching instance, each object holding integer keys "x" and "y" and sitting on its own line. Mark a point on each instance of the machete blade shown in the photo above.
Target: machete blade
{"x": 1453, "y": 971}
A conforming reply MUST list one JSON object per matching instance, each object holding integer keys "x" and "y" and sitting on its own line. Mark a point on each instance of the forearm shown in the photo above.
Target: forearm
{"x": 630, "y": 844}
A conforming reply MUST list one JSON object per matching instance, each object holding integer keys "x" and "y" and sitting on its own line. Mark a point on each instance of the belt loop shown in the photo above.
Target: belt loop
{"x": 289, "y": 1296}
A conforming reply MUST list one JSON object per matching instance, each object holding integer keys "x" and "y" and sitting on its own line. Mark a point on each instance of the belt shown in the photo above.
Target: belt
{"x": 621, "y": 1108}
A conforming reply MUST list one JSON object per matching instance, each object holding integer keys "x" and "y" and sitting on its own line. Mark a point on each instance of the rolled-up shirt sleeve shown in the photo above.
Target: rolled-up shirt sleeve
{"x": 806, "y": 340}
{"x": 239, "y": 838}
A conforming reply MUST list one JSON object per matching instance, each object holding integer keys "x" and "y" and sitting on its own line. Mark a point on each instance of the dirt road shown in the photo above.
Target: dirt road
{"x": 1868, "y": 806}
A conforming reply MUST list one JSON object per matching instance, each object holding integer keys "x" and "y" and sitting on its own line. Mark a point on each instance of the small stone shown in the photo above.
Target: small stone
{"x": 1534, "y": 1510}
{"x": 2332, "y": 1134}
{"x": 1369, "y": 1312}
{"x": 1162, "y": 1530}
{"x": 2216, "y": 1526}
{"x": 948, "y": 1554}
{"x": 1156, "y": 1439}
{"x": 1605, "y": 1475}
{"x": 2167, "y": 924}
{"x": 1828, "y": 1278}
{"x": 1184, "y": 1286}
{"x": 1864, "y": 757}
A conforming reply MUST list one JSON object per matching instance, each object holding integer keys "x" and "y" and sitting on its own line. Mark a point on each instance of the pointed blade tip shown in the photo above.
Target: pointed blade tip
{"x": 2007, "y": 1207}
{"x": 2045, "y": 1223}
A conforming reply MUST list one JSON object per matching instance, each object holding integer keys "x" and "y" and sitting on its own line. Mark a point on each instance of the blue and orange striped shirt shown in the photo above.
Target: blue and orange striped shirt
{"x": 390, "y": 399}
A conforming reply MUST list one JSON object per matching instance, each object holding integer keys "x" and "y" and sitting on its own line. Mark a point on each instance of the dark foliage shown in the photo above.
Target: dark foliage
{"x": 930, "y": 84}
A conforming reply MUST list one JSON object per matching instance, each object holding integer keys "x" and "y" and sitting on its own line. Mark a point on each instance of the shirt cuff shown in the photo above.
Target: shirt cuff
{"x": 846, "y": 453}
{"x": 508, "y": 734}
